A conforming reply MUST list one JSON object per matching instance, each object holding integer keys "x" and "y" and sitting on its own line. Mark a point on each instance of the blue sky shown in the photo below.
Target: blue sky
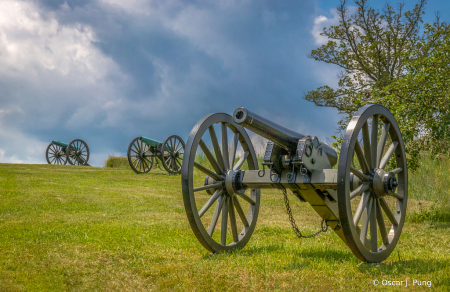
{"x": 107, "y": 71}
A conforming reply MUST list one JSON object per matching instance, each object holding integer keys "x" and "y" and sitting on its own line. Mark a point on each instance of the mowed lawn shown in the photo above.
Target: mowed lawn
{"x": 103, "y": 229}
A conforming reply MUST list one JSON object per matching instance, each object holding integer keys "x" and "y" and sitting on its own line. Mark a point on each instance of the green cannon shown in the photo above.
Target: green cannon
{"x": 363, "y": 201}
{"x": 143, "y": 150}
{"x": 76, "y": 152}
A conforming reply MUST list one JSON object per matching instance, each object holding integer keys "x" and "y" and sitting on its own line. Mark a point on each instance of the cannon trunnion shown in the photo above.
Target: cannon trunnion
{"x": 76, "y": 152}
{"x": 143, "y": 150}
{"x": 363, "y": 200}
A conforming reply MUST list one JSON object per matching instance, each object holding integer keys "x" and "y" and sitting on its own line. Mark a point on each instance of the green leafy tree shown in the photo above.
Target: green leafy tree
{"x": 387, "y": 58}
{"x": 420, "y": 99}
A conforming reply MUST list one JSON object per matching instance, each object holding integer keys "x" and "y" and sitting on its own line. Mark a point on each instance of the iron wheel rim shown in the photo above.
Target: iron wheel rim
{"x": 52, "y": 149}
{"x": 137, "y": 146}
{"x": 372, "y": 205}
{"x": 81, "y": 146}
{"x": 189, "y": 197}
{"x": 174, "y": 144}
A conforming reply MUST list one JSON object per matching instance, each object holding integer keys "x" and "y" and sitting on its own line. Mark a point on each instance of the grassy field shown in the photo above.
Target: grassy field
{"x": 108, "y": 229}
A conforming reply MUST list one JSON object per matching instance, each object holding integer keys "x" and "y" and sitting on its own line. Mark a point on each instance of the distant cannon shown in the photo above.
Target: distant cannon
{"x": 143, "y": 150}
{"x": 363, "y": 200}
{"x": 76, "y": 152}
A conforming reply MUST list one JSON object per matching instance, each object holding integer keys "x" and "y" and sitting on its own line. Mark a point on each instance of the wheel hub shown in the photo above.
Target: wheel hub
{"x": 210, "y": 181}
{"x": 382, "y": 182}
{"x": 233, "y": 183}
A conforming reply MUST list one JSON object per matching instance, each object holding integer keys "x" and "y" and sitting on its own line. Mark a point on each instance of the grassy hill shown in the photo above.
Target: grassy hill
{"x": 108, "y": 229}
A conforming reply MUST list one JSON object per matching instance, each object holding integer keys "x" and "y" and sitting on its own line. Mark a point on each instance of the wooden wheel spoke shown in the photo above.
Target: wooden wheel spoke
{"x": 207, "y": 187}
{"x": 395, "y": 195}
{"x": 145, "y": 163}
{"x": 207, "y": 171}
{"x": 362, "y": 160}
{"x": 388, "y": 154}
{"x": 382, "y": 142}
{"x": 172, "y": 144}
{"x": 216, "y": 215}
{"x": 211, "y": 158}
{"x": 241, "y": 161}
{"x": 361, "y": 206}
{"x": 397, "y": 170}
{"x": 388, "y": 212}
{"x": 137, "y": 161}
{"x": 139, "y": 143}
{"x": 241, "y": 214}
{"x": 359, "y": 190}
{"x": 225, "y": 146}
{"x": 210, "y": 202}
{"x": 216, "y": 146}
{"x": 359, "y": 174}
{"x": 179, "y": 148}
{"x": 373, "y": 227}
{"x": 234, "y": 148}
{"x": 373, "y": 140}
{"x": 365, "y": 221}
{"x": 224, "y": 227}
{"x": 366, "y": 141}
{"x": 247, "y": 198}
{"x": 381, "y": 224}
{"x": 233, "y": 221}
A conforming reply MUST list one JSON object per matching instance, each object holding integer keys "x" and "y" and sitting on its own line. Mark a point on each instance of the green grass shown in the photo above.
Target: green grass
{"x": 109, "y": 229}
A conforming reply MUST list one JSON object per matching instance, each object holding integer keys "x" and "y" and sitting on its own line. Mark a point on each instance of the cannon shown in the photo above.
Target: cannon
{"x": 363, "y": 200}
{"x": 143, "y": 150}
{"x": 76, "y": 152}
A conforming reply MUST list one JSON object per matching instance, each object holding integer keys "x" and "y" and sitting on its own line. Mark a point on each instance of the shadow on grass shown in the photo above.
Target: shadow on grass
{"x": 308, "y": 256}
{"x": 329, "y": 255}
{"x": 244, "y": 252}
{"x": 406, "y": 267}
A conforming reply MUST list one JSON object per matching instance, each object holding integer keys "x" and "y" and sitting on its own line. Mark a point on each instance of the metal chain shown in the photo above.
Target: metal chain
{"x": 323, "y": 224}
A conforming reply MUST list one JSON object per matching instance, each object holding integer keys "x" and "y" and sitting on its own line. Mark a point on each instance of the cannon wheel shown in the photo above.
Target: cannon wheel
{"x": 376, "y": 205}
{"x": 200, "y": 161}
{"x": 77, "y": 152}
{"x": 172, "y": 156}
{"x": 139, "y": 151}
{"x": 53, "y": 154}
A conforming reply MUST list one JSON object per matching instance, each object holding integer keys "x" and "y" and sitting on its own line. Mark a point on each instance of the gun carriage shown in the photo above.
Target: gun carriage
{"x": 363, "y": 200}
{"x": 143, "y": 150}
{"x": 76, "y": 152}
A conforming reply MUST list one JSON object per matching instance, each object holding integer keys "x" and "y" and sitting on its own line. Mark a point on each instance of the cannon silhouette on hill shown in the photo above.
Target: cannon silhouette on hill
{"x": 76, "y": 152}
{"x": 143, "y": 150}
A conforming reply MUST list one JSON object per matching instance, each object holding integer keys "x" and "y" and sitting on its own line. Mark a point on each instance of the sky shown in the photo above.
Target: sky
{"x": 107, "y": 71}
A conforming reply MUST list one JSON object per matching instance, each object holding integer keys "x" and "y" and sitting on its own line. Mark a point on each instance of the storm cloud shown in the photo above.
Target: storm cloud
{"x": 107, "y": 71}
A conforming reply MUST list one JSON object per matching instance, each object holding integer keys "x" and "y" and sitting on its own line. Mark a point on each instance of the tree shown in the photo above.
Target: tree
{"x": 420, "y": 99}
{"x": 387, "y": 59}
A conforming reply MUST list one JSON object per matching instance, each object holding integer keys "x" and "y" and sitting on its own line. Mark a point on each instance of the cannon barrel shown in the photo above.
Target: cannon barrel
{"x": 280, "y": 135}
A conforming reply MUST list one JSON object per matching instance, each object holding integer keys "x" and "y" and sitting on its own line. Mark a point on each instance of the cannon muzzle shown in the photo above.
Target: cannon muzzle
{"x": 280, "y": 135}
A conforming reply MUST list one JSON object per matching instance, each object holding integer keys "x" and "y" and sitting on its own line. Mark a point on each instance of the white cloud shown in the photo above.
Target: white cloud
{"x": 108, "y": 70}
{"x": 19, "y": 148}
{"x": 52, "y": 75}
{"x": 322, "y": 21}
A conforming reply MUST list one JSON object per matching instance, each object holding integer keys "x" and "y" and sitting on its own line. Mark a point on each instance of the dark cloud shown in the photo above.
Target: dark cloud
{"x": 108, "y": 71}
